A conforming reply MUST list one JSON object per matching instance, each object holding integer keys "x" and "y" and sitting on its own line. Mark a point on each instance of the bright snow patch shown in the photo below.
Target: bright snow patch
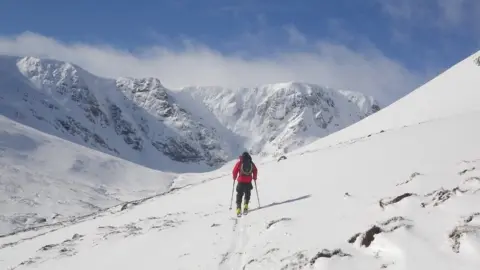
{"x": 45, "y": 179}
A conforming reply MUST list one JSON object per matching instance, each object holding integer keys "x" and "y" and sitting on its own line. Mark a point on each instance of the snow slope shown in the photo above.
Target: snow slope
{"x": 46, "y": 179}
{"x": 406, "y": 198}
{"x": 453, "y": 92}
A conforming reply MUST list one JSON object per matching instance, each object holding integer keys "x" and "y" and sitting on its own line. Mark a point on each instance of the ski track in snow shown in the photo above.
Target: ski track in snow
{"x": 235, "y": 253}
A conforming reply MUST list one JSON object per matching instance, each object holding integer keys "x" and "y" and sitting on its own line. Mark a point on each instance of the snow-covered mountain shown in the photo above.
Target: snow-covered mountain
{"x": 397, "y": 190}
{"x": 135, "y": 119}
{"x": 141, "y": 121}
{"x": 278, "y": 118}
{"x": 55, "y": 116}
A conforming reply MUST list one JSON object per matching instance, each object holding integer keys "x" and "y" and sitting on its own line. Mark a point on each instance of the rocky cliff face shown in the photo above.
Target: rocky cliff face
{"x": 277, "y": 118}
{"x": 136, "y": 119}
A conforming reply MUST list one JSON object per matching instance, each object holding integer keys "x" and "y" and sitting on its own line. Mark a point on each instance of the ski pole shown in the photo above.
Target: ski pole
{"x": 231, "y": 199}
{"x": 256, "y": 190}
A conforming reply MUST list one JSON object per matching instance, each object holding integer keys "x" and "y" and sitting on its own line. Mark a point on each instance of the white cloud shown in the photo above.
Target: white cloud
{"x": 336, "y": 65}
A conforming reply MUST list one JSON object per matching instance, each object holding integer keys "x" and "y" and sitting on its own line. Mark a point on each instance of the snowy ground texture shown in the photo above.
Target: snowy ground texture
{"x": 402, "y": 206}
{"x": 45, "y": 179}
{"x": 404, "y": 198}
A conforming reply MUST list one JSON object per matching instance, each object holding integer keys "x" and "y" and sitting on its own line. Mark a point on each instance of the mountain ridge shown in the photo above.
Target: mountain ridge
{"x": 140, "y": 120}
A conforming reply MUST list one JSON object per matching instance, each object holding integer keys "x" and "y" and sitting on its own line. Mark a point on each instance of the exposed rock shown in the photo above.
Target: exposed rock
{"x": 271, "y": 223}
{"x": 387, "y": 201}
{"x": 296, "y": 261}
{"x": 466, "y": 170}
{"x": 386, "y": 226}
{"x": 48, "y": 247}
{"x": 412, "y": 176}
{"x": 457, "y": 233}
{"x": 325, "y": 253}
{"x": 471, "y": 217}
{"x": 441, "y": 195}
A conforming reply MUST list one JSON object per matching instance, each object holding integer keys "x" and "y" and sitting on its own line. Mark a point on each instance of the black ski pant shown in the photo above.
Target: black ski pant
{"x": 243, "y": 189}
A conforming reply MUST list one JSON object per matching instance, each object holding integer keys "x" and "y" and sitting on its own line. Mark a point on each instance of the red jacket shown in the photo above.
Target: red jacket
{"x": 243, "y": 178}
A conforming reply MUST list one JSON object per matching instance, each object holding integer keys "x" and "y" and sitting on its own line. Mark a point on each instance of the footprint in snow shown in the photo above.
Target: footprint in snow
{"x": 142, "y": 226}
{"x": 52, "y": 251}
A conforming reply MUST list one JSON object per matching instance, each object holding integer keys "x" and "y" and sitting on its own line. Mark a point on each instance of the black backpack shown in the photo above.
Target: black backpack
{"x": 246, "y": 168}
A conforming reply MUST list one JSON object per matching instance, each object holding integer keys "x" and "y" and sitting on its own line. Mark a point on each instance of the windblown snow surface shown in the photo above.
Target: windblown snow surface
{"x": 45, "y": 179}
{"x": 404, "y": 198}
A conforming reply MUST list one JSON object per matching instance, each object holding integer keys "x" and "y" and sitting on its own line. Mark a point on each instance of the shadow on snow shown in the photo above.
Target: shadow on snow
{"x": 279, "y": 203}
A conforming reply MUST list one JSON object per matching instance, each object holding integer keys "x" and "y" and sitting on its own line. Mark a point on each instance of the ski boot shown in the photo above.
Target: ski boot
{"x": 239, "y": 212}
{"x": 245, "y": 209}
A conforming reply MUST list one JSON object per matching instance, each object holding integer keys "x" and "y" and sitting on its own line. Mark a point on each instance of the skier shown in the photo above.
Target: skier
{"x": 245, "y": 170}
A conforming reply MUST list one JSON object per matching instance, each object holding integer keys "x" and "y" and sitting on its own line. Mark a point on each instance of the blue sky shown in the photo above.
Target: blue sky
{"x": 415, "y": 39}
